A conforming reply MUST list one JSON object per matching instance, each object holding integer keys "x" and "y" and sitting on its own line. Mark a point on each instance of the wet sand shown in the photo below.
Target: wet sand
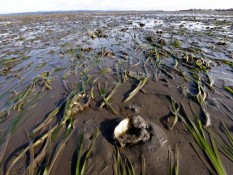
{"x": 45, "y": 60}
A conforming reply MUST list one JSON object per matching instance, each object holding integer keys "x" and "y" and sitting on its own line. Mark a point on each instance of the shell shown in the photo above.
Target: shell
{"x": 122, "y": 127}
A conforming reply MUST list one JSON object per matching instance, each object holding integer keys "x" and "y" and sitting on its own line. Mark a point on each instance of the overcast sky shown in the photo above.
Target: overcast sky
{"x": 12, "y": 6}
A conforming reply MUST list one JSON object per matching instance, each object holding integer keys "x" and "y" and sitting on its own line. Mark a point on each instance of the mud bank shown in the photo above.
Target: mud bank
{"x": 67, "y": 78}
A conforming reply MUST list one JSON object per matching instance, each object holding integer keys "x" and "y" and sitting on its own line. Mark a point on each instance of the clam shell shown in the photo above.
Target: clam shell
{"x": 122, "y": 127}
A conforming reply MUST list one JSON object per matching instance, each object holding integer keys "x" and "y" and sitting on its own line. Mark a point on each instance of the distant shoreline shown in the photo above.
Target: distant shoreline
{"x": 110, "y": 11}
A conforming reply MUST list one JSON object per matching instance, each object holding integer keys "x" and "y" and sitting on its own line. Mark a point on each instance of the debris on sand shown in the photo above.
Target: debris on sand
{"x": 109, "y": 54}
{"x": 86, "y": 49}
{"x": 79, "y": 102}
{"x": 133, "y": 108}
{"x": 98, "y": 33}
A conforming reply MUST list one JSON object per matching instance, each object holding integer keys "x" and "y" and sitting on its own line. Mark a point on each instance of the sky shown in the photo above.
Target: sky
{"x": 14, "y": 6}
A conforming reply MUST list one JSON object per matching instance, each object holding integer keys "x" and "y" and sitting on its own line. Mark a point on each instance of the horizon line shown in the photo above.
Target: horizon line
{"x": 54, "y": 11}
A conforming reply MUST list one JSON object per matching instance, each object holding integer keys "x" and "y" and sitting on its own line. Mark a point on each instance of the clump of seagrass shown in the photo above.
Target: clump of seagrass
{"x": 75, "y": 102}
{"x": 131, "y": 131}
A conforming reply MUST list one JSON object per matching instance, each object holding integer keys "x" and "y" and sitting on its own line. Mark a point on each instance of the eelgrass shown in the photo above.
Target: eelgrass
{"x": 227, "y": 147}
{"x": 229, "y": 89}
{"x": 123, "y": 164}
{"x": 185, "y": 76}
{"x": 13, "y": 124}
{"x": 154, "y": 53}
{"x": 105, "y": 97}
{"x": 4, "y": 147}
{"x": 49, "y": 137}
{"x": 66, "y": 105}
{"x": 200, "y": 98}
{"x": 109, "y": 95}
{"x": 17, "y": 103}
{"x": 135, "y": 91}
{"x": 226, "y": 62}
{"x": 7, "y": 64}
{"x": 175, "y": 111}
{"x": 45, "y": 138}
{"x": 81, "y": 166}
{"x": 32, "y": 155}
{"x": 173, "y": 164}
{"x": 210, "y": 149}
{"x": 49, "y": 166}
{"x": 176, "y": 44}
{"x": 143, "y": 164}
{"x": 124, "y": 76}
{"x": 25, "y": 150}
{"x": 210, "y": 80}
{"x": 167, "y": 73}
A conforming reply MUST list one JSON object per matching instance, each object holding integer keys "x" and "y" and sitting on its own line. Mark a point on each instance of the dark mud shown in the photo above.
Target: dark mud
{"x": 46, "y": 60}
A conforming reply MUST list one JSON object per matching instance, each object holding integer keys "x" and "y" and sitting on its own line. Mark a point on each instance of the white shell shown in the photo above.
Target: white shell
{"x": 122, "y": 127}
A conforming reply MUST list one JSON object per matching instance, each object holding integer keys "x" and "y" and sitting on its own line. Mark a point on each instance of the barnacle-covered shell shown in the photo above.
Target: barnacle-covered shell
{"x": 131, "y": 131}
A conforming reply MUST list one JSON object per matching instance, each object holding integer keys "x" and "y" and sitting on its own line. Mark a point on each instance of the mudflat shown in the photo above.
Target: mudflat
{"x": 68, "y": 80}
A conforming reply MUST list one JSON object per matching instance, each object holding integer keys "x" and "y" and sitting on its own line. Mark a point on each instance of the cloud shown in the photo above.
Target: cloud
{"x": 9, "y": 6}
